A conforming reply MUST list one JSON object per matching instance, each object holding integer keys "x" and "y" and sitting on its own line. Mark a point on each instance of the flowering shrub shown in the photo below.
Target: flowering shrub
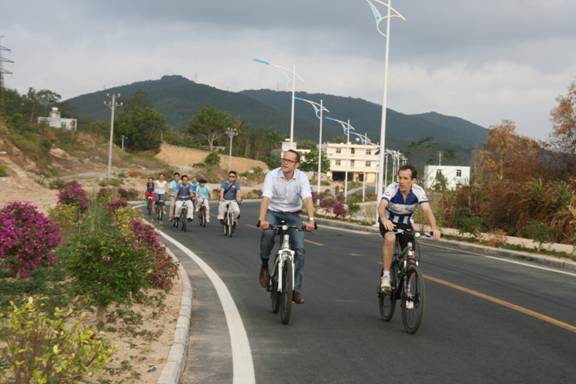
{"x": 327, "y": 202}
{"x": 72, "y": 193}
{"x": 165, "y": 269}
{"x": 66, "y": 218}
{"x": 27, "y": 238}
{"x": 117, "y": 203}
{"x": 339, "y": 210}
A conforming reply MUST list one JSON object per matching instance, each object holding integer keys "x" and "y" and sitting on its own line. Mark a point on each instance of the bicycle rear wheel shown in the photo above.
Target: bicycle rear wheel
{"x": 287, "y": 292}
{"x": 413, "y": 299}
{"x": 387, "y": 301}
{"x": 149, "y": 206}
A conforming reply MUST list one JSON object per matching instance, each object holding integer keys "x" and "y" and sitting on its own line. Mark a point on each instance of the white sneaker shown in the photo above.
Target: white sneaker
{"x": 385, "y": 284}
{"x": 409, "y": 304}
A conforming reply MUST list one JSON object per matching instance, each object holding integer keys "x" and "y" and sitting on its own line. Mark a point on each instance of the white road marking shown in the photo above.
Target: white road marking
{"x": 242, "y": 362}
{"x": 531, "y": 265}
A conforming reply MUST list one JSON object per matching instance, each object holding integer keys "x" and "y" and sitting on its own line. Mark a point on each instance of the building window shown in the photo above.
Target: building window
{"x": 368, "y": 164}
{"x": 458, "y": 173}
{"x": 368, "y": 151}
{"x": 352, "y": 151}
{"x": 337, "y": 162}
{"x": 438, "y": 172}
{"x": 351, "y": 163}
{"x": 338, "y": 150}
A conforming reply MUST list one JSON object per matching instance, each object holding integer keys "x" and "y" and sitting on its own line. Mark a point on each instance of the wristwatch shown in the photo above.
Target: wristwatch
{"x": 310, "y": 219}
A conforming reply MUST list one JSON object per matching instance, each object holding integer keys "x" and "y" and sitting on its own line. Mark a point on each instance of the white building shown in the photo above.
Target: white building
{"x": 359, "y": 160}
{"x": 55, "y": 121}
{"x": 456, "y": 176}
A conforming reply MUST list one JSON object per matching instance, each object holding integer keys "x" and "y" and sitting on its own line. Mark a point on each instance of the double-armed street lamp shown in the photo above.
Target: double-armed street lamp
{"x": 231, "y": 132}
{"x": 292, "y": 76}
{"x": 112, "y": 104}
{"x": 319, "y": 110}
{"x": 390, "y": 13}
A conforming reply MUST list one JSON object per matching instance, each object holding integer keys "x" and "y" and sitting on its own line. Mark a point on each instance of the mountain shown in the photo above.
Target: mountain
{"x": 178, "y": 98}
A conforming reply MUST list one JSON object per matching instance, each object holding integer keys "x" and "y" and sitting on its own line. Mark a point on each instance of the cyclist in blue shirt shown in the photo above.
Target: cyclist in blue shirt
{"x": 202, "y": 196}
{"x": 399, "y": 201}
{"x": 184, "y": 197}
{"x": 229, "y": 193}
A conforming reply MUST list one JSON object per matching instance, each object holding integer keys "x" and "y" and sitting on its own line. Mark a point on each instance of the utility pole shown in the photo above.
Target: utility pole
{"x": 112, "y": 104}
{"x": 231, "y": 132}
{"x": 2, "y": 73}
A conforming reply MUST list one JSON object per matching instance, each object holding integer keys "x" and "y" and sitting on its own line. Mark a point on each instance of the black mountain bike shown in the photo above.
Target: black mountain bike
{"x": 182, "y": 220}
{"x": 229, "y": 221}
{"x": 159, "y": 208}
{"x": 407, "y": 284}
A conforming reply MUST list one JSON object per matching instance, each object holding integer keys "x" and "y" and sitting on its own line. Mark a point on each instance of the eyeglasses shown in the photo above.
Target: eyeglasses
{"x": 289, "y": 161}
{"x": 232, "y": 176}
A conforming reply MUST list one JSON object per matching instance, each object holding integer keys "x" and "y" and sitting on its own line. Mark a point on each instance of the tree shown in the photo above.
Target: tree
{"x": 509, "y": 156}
{"x": 210, "y": 124}
{"x": 423, "y": 148}
{"x": 140, "y": 123}
{"x": 311, "y": 163}
{"x": 564, "y": 119}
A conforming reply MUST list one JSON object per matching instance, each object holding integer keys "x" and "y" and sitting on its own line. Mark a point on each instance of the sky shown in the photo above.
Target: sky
{"x": 481, "y": 61}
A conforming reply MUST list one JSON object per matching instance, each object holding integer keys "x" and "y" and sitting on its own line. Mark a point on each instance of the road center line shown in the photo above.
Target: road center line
{"x": 313, "y": 242}
{"x": 242, "y": 362}
{"x": 499, "y": 259}
{"x": 504, "y": 303}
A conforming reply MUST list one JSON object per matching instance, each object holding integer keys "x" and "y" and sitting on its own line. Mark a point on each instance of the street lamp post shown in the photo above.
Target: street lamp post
{"x": 292, "y": 76}
{"x": 390, "y": 13}
{"x": 319, "y": 110}
{"x": 231, "y": 132}
{"x": 112, "y": 104}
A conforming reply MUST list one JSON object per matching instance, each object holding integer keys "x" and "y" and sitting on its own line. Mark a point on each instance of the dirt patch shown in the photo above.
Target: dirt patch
{"x": 187, "y": 157}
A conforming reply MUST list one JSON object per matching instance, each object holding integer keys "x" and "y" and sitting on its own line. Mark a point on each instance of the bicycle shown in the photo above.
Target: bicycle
{"x": 407, "y": 284}
{"x": 229, "y": 221}
{"x": 182, "y": 220}
{"x": 159, "y": 208}
{"x": 149, "y": 205}
{"x": 202, "y": 216}
{"x": 281, "y": 285}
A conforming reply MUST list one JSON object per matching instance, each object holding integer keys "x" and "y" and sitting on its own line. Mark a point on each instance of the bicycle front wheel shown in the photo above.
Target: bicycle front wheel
{"x": 274, "y": 294}
{"x": 287, "y": 292}
{"x": 183, "y": 219}
{"x": 413, "y": 299}
{"x": 387, "y": 301}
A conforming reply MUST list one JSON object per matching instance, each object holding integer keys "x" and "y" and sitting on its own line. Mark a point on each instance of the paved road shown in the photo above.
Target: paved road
{"x": 337, "y": 337}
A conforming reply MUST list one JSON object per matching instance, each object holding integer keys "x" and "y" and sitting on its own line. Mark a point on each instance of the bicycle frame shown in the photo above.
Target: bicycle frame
{"x": 285, "y": 254}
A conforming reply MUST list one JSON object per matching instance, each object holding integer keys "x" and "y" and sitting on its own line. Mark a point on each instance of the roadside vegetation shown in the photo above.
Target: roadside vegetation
{"x": 69, "y": 284}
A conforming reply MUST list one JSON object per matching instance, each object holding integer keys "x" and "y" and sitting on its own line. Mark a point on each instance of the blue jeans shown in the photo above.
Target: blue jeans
{"x": 296, "y": 243}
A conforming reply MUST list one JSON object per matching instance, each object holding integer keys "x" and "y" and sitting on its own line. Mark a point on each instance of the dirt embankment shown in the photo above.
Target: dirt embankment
{"x": 186, "y": 157}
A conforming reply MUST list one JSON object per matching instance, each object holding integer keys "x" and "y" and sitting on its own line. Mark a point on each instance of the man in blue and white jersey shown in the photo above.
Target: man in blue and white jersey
{"x": 397, "y": 206}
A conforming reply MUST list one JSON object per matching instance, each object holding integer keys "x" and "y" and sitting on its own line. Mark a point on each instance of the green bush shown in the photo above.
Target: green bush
{"x": 2, "y": 171}
{"x": 467, "y": 223}
{"x": 56, "y": 184}
{"x": 539, "y": 232}
{"x": 105, "y": 268}
{"x": 213, "y": 158}
{"x": 353, "y": 208}
{"x": 49, "y": 349}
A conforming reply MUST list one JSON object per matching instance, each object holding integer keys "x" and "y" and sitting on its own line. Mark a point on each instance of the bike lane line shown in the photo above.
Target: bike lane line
{"x": 504, "y": 303}
{"x": 242, "y": 361}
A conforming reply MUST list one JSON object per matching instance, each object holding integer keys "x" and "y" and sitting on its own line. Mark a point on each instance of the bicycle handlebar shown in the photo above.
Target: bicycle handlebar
{"x": 400, "y": 231}
{"x": 300, "y": 227}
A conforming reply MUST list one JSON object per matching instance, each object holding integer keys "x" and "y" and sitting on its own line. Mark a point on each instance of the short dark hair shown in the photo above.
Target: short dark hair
{"x": 414, "y": 172}
{"x": 232, "y": 173}
{"x": 202, "y": 180}
{"x": 296, "y": 153}
{"x": 184, "y": 176}
{"x": 176, "y": 173}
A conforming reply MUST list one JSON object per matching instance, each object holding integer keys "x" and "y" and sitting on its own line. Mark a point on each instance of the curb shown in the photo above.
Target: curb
{"x": 550, "y": 261}
{"x": 177, "y": 356}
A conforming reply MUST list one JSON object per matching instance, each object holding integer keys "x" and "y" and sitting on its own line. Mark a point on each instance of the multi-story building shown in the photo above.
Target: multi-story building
{"x": 454, "y": 175}
{"x": 55, "y": 121}
{"x": 359, "y": 160}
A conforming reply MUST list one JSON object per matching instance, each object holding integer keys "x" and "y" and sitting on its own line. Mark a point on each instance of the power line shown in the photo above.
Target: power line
{"x": 3, "y": 72}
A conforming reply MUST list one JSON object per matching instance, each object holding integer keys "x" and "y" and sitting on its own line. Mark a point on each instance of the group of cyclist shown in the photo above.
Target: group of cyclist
{"x": 192, "y": 193}
{"x": 286, "y": 189}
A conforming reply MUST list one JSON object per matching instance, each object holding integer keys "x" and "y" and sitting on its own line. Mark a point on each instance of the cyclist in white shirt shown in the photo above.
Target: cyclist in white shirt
{"x": 160, "y": 187}
{"x": 285, "y": 189}
{"x": 397, "y": 206}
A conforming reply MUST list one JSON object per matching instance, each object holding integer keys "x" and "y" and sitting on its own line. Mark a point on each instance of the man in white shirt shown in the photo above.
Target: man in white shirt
{"x": 285, "y": 189}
